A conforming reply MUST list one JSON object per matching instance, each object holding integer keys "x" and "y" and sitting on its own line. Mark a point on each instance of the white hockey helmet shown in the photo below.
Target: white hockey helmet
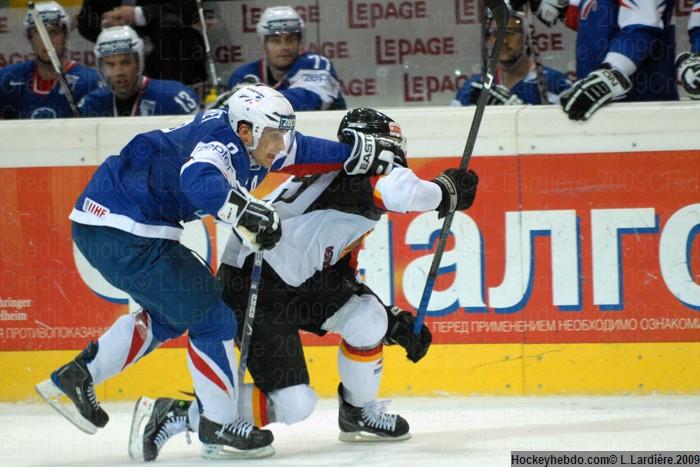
{"x": 50, "y": 13}
{"x": 120, "y": 40}
{"x": 279, "y": 20}
{"x": 261, "y": 107}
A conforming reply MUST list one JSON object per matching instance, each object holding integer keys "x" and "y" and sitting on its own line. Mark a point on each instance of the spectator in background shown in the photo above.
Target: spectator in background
{"x": 624, "y": 52}
{"x": 516, "y": 80}
{"x": 174, "y": 50}
{"x": 688, "y": 63}
{"x": 31, "y": 89}
{"x": 120, "y": 58}
{"x": 308, "y": 81}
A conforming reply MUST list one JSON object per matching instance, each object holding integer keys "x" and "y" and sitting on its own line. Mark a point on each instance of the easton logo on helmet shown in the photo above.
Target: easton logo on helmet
{"x": 114, "y": 47}
{"x": 283, "y": 26}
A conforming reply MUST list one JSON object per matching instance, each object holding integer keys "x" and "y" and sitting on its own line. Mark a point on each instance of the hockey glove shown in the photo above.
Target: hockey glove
{"x": 688, "y": 66}
{"x": 497, "y": 95}
{"x": 601, "y": 86}
{"x": 372, "y": 155}
{"x": 458, "y": 190}
{"x": 256, "y": 222}
{"x": 400, "y": 331}
{"x": 549, "y": 11}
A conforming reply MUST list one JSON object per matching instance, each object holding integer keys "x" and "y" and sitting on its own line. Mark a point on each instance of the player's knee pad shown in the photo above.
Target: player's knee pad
{"x": 293, "y": 404}
{"x": 362, "y": 321}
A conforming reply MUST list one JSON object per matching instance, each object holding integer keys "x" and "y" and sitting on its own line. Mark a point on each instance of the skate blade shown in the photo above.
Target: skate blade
{"x": 142, "y": 413}
{"x": 52, "y": 395}
{"x": 364, "y": 437}
{"x": 222, "y": 452}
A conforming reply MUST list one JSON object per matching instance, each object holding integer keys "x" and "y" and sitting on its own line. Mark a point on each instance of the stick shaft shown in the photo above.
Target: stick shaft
{"x": 211, "y": 65}
{"x": 247, "y": 331}
{"x": 500, "y": 13}
{"x": 53, "y": 56}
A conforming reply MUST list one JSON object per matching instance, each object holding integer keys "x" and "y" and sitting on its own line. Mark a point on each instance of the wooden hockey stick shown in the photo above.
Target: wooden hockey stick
{"x": 211, "y": 65}
{"x": 500, "y": 12}
{"x": 53, "y": 56}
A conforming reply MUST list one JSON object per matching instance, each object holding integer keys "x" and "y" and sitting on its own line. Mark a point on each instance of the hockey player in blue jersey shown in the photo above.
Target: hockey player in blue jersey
{"x": 31, "y": 89}
{"x": 127, "y": 223}
{"x": 516, "y": 79}
{"x": 120, "y": 57}
{"x": 308, "y": 81}
{"x": 625, "y": 51}
{"x": 688, "y": 63}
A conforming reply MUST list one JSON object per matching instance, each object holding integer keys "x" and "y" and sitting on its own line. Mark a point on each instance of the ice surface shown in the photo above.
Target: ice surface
{"x": 451, "y": 431}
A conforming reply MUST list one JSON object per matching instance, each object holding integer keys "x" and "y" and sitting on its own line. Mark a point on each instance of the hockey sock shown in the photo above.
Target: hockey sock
{"x": 361, "y": 372}
{"x": 129, "y": 339}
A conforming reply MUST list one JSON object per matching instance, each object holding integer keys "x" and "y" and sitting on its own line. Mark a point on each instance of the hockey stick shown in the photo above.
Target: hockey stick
{"x": 44, "y": 35}
{"x": 541, "y": 85}
{"x": 249, "y": 317}
{"x": 500, "y": 12}
{"x": 213, "y": 75}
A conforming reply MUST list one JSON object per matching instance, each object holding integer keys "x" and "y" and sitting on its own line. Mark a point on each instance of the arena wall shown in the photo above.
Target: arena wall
{"x": 577, "y": 270}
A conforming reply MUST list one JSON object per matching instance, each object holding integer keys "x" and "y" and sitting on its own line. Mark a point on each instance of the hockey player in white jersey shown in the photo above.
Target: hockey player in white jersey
{"x": 308, "y": 282}
{"x": 127, "y": 224}
{"x": 308, "y": 80}
{"x": 688, "y": 63}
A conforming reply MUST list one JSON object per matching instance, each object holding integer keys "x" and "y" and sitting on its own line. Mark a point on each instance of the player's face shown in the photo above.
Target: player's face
{"x": 281, "y": 50}
{"x": 271, "y": 143}
{"x": 121, "y": 72}
{"x": 57, "y": 34}
{"x": 513, "y": 41}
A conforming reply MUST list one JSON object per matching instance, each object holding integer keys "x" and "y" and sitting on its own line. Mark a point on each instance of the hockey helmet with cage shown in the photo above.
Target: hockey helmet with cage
{"x": 50, "y": 13}
{"x": 374, "y": 122}
{"x": 119, "y": 40}
{"x": 280, "y": 20}
{"x": 260, "y": 107}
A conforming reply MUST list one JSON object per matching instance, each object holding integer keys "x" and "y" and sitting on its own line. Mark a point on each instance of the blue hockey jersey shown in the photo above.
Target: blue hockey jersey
{"x": 635, "y": 36}
{"x": 310, "y": 84}
{"x": 526, "y": 89}
{"x": 164, "y": 177}
{"x": 694, "y": 28}
{"x": 23, "y": 96}
{"x": 156, "y": 97}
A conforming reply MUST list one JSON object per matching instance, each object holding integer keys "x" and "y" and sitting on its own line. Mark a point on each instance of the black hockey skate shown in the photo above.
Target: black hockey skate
{"x": 73, "y": 381}
{"x": 164, "y": 419}
{"x": 369, "y": 423}
{"x": 237, "y": 440}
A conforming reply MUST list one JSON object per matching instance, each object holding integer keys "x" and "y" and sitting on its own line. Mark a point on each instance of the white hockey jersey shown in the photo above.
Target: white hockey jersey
{"x": 324, "y": 217}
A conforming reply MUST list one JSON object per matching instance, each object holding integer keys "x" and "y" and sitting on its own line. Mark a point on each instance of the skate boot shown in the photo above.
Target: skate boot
{"x": 73, "y": 381}
{"x": 369, "y": 423}
{"x": 237, "y": 440}
{"x": 164, "y": 419}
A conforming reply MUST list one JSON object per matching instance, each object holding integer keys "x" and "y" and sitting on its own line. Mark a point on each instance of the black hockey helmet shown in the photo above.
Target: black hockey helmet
{"x": 374, "y": 122}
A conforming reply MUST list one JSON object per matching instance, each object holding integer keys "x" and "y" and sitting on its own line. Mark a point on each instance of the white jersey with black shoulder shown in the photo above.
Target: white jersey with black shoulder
{"x": 325, "y": 217}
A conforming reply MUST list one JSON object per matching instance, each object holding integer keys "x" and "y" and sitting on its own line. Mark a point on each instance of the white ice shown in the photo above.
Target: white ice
{"x": 452, "y": 431}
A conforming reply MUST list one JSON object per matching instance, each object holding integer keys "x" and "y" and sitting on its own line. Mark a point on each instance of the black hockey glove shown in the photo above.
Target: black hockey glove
{"x": 373, "y": 155}
{"x": 256, "y": 222}
{"x": 458, "y": 190}
{"x": 688, "y": 66}
{"x": 400, "y": 332}
{"x": 586, "y": 96}
{"x": 497, "y": 95}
